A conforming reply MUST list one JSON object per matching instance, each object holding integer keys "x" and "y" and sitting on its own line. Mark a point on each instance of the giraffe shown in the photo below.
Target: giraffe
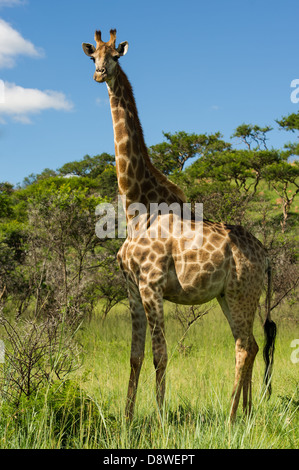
{"x": 228, "y": 264}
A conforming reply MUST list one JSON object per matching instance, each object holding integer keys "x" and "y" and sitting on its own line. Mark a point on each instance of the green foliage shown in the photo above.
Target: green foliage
{"x": 284, "y": 179}
{"x": 49, "y": 250}
{"x": 36, "y": 352}
{"x": 242, "y": 167}
{"x": 283, "y": 172}
{"x": 252, "y": 134}
{"x": 13, "y": 244}
{"x": 171, "y": 156}
{"x": 89, "y": 166}
{"x": 5, "y": 205}
{"x": 6, "y": 201}
{"x": 290, "y": 122}
{"x": 32, "y": 178}
{"x": 107, "y": 182}
{"x": 61, "y": 413}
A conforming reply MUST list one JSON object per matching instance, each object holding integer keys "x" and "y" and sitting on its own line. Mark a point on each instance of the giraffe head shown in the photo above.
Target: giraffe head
{"x": 105, "y": 55}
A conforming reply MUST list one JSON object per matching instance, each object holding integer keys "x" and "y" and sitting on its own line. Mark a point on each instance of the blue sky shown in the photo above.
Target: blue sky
{"x": 198, "y": 66}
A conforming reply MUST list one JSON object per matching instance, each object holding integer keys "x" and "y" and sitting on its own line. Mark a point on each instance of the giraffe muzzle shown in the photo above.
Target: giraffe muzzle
{"x": 100, "y": 74}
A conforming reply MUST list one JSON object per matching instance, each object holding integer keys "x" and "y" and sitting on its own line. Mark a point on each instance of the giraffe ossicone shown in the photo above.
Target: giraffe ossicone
{"x": 230, "y": 264}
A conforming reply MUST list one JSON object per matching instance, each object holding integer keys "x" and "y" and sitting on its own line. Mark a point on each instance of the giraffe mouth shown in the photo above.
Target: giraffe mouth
{"x": 100, "y": 77}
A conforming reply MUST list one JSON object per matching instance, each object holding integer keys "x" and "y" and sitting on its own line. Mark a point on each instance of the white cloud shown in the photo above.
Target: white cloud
{"x": 11, "y": 3}
{"x": 13, "y": 44}
{"x": 19, "y": 103}
{"x": 102, "y": 102}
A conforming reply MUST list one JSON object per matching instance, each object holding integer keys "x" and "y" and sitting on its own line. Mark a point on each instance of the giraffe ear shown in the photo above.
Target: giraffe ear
{"x": 89, "y": 49}
{"x": 123, "y": 48}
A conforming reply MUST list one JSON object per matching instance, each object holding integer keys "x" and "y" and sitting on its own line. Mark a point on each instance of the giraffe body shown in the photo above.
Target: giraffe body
{"x": 218, "y": 261}
{"x": 223, "y": 263}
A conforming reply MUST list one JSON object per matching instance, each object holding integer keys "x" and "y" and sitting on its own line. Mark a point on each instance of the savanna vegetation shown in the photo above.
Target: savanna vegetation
{"x": 65, "y": 322}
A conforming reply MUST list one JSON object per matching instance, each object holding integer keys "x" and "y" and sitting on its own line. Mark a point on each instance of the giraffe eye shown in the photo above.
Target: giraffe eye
{"x": 93, "y": 59}
{"x": 115, "y": 58}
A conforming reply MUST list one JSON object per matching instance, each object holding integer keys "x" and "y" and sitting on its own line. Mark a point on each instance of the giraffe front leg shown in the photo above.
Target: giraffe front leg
{"x": 160, "y": 363}
{"x": 137, "y": 347}
{"x": 153, "y": 306}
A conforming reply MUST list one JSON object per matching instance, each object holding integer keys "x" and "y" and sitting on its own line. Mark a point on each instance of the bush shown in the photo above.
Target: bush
{"x": 62, "y": 411}
{"x": 36, "y": 353}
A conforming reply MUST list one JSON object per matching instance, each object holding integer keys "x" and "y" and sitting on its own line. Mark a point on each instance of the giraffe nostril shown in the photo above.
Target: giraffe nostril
{"x": 101, "y": 70}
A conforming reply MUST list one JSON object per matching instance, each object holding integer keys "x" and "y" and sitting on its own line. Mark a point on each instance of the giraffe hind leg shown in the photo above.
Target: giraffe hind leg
{"x": 247, "y": 385}
{"x": 246, "y": 349}
{"x": 245, "y": 355}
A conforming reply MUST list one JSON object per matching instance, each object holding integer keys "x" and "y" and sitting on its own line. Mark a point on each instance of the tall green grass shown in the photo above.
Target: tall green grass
{"x": 87, "y": 411}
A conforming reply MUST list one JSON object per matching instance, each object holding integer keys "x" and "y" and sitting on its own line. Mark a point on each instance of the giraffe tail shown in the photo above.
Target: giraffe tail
{"x": 270, "y": 334}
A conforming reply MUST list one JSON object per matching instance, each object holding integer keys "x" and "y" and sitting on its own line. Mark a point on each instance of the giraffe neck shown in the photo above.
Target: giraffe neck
{"x": 138, "y": 180}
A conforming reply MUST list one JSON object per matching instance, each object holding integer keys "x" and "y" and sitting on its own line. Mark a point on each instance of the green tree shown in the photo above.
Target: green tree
{"x": 242, "y": 168}
{"x": 253, "y": 134}
{"x": 13, "y": 246}
{"x": 88, "y": 166}
{"x": 62, "y": 240}
{"x": 6, "y": 203}
{"x": 107, "y": 182}
{"x": 284, "y": 179}
{"x": 289, "y": 122}
{"x": 180, "y": 147}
